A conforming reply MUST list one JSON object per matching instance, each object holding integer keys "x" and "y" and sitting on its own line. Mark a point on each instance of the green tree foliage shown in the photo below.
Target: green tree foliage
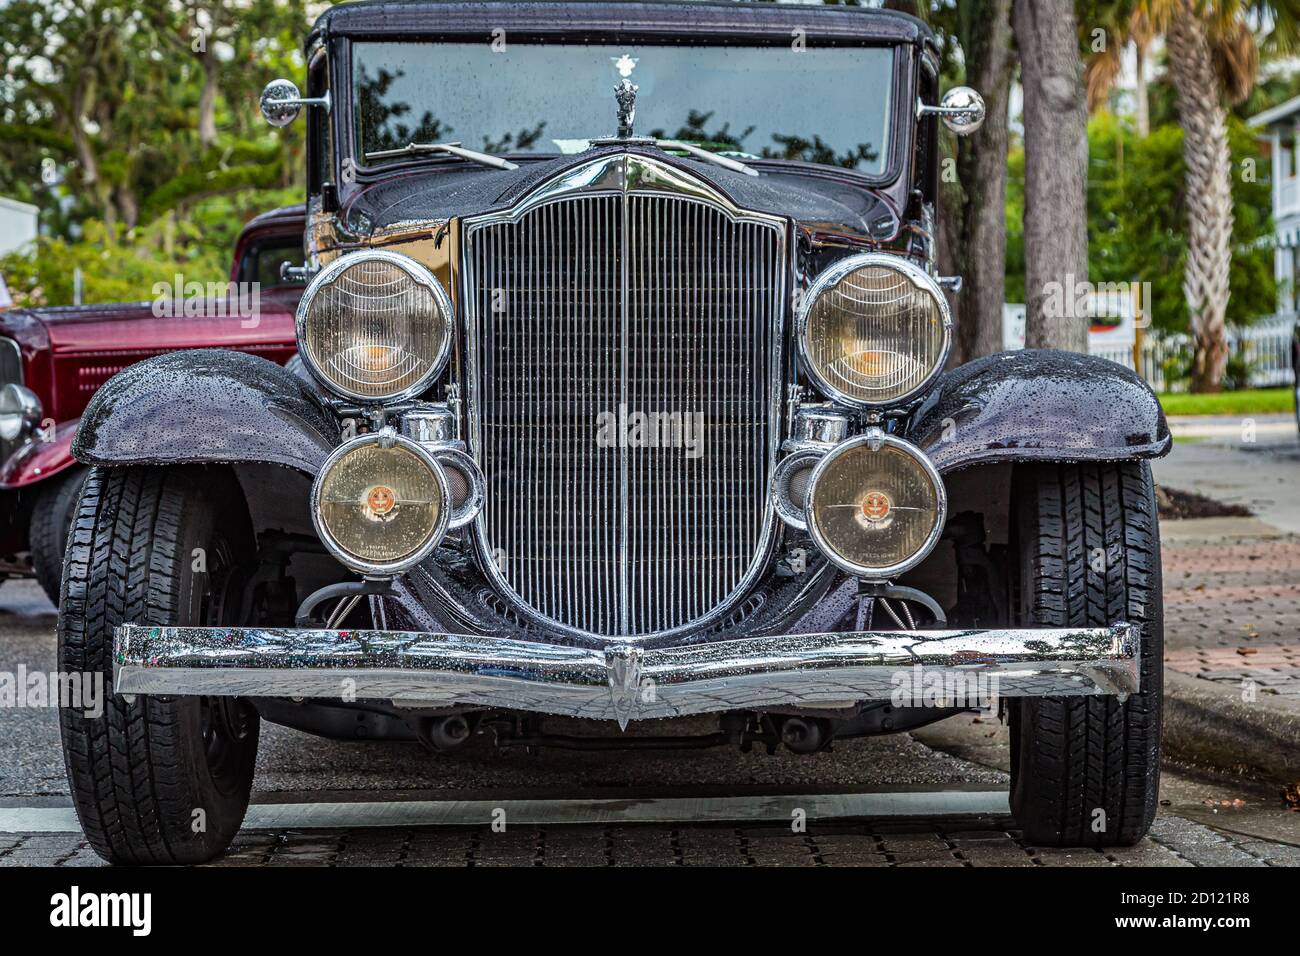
{"x": 135, "y": 129}
{"x": 1137, "y": 220}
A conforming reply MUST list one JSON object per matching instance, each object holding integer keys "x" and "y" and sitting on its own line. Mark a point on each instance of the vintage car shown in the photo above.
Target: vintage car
{"x": 52, "y": 360}
{"x": 626, "y": 399}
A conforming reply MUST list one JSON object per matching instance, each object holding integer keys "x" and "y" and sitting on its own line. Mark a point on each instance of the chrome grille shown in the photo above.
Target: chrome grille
{"x": 11, "y": 371}
{"x": 648, "y": 303}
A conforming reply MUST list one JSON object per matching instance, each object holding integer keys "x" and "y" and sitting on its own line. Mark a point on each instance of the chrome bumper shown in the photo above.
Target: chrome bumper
{"x": 626, "y": 682}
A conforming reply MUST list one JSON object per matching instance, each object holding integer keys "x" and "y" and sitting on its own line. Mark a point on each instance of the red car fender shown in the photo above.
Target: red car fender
{"x": 39, "y": 460}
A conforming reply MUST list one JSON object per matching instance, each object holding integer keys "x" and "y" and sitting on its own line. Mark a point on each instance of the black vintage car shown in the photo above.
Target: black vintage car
{"x": 623, "y": 396}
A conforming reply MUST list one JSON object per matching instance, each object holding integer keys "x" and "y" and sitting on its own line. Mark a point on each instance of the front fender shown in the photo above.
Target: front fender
{"x": 38, "y": 459}
{"x": 1040, "y": 405}
{"x": 206, "y": 405}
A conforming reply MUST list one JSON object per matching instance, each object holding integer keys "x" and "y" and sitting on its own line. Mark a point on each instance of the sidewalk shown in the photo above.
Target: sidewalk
{"x": 1232, "y": 607}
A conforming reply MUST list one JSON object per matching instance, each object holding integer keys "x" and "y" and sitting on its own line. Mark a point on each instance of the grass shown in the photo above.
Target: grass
{"x": 1250, "y": 401}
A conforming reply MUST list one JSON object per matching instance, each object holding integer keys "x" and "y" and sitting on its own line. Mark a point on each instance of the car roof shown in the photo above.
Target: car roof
{"x": 731, "y": 19}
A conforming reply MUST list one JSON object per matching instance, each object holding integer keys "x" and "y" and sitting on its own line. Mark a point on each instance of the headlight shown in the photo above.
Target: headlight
{"x": 380, "y": 503}
{"x": 375, "y": 326}
{"x": 876, "y": 505}
{"x": 874, "y": 329}
{"x": 20, "y": 411}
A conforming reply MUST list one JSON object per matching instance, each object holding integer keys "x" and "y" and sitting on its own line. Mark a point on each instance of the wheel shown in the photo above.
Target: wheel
{"x": 48, "y": 535}
{"x": 156, "y": 780}
{"x": 1085, "y": 771}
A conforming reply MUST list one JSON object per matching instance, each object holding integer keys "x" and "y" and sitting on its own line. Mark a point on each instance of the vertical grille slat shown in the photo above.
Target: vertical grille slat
{"x": 624, "y": 305}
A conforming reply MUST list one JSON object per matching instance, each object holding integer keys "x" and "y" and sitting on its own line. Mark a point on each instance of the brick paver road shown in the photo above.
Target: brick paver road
{"x": 1174, "y": 841}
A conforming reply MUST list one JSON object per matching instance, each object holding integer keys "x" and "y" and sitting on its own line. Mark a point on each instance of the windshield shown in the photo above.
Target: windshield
{"x": 818, "y": 105}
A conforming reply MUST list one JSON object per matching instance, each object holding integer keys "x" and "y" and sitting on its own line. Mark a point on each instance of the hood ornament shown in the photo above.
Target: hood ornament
{"x": 625, "y": 93}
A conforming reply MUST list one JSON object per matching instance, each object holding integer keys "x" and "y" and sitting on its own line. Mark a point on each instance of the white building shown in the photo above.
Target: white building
{"x": 17, "y": 224}
{"x": 1278, "y": 127}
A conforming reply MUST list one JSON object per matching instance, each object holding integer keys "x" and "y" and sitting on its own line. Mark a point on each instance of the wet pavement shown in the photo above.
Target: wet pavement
{"x": 656, "y": 808}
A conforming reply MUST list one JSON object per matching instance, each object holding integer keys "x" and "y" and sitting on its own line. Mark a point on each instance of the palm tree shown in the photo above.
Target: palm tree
{"x": 1213, "y": 59}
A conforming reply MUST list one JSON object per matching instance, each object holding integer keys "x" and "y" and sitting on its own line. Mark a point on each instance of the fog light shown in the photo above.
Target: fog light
{"x": 380, "y": 503}
{"x": 876, "y": 506}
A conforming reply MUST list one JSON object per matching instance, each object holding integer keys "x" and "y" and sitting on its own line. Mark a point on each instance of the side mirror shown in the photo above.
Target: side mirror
{"x": 281, "y": 102}
{"x": 961, "y": 109}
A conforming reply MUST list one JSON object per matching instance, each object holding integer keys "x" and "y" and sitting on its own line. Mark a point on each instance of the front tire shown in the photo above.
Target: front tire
{"x": 1085, "y": 771}
{"x": 156, "y": 780}
{"x": 48, "y": 534}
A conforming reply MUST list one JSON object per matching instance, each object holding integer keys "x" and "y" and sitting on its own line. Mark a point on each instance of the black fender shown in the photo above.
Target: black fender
{"x": 1040, "y": 405}
{"x": 207, "y": 405}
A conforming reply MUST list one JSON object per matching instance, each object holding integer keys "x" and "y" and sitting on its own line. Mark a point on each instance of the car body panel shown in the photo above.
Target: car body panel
{"x": 207, "y": 405}
{"x": 40, "y": 460}
{"x": 1040, "y": 405}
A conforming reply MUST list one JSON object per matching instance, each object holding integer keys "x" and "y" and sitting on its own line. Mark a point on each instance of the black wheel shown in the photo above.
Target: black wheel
{"x": 1085, "y": 771}
{"x": 51, "y": 517}
{"x": 156, "y": 780}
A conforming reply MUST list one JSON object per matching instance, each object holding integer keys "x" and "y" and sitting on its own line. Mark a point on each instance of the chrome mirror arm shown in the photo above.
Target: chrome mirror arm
{"x": 281, "y": 102}
{"x": 961, "y": 109}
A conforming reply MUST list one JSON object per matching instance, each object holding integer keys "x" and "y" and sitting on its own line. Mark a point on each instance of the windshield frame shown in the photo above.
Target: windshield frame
{"x": 901, "y": 123}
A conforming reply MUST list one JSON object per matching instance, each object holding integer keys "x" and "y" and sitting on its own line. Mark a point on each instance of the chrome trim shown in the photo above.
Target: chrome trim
{"x": 793, "y": 513}
{"x": 416, "y": 271}
{"x": 392, "y": 568}
{"x": 961, "y": 109}
{"x": 622, "y": 175}
{"x": 619, "y": 682}
{"x": 876, "y": 438}
{"x": 831, "y": 276}
{"x": 432, "y": 425}
{"x": 456, "y": 460}
{"x": 14, "y": 361}
{"x": 818, "y": 425}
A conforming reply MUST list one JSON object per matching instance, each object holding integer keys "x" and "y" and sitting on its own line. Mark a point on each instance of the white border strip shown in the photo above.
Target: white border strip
{"x": 760, "y": 809}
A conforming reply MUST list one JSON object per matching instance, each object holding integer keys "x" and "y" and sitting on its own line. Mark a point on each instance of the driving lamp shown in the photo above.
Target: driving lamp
{"x": 375, "y": 326}
{"x": 380, "y": 503}
{"x": 876, "y": 505}
{"x": 874, "y": 330}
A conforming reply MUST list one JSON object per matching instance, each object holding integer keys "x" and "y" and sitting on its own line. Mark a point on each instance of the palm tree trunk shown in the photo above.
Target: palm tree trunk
{"x": 1056, "y": 167}
{"x": 1208, "y": 194}
{"x": 1142, "y": 95}
{"x": 982, "y": 166}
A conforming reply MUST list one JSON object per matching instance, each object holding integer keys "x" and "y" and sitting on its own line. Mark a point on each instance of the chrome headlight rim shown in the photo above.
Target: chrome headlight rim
{"x": 829, "y": 278}
{"x": 418, "y": 272}
{"x": 876, "y": 440}
{"x": 376, "y": 569}
{"x": 782, "y": 501}
{"x": 475, "y": 481}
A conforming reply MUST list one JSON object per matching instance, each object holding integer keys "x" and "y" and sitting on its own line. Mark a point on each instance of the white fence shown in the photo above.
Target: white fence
{"x": 1267, "y": 346}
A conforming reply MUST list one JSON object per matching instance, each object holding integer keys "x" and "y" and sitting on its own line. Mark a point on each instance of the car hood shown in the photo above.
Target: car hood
{"x": 819, "y": 198}
{"x": 132, "y": 326}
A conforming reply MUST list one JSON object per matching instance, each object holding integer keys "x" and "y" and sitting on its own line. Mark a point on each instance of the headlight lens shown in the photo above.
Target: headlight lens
{"x": 876, "y": 506}
{"x": 380, "y": 503}
{"x": 375, "y": 326}
{"x": 875, "y": 329}
{"x": 20, "y": 411}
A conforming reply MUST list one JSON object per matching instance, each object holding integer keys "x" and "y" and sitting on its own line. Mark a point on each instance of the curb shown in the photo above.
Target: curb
{"x": 1208, "y": 724}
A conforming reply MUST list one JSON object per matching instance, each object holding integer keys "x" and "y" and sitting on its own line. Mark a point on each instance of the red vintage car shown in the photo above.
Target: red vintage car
{"x": 52, "y": 360}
